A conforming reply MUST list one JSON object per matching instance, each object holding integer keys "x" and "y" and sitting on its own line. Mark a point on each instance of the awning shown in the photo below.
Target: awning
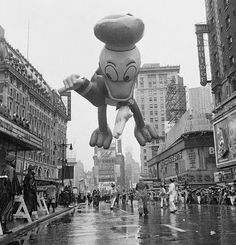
{"x": 18, "y": 137}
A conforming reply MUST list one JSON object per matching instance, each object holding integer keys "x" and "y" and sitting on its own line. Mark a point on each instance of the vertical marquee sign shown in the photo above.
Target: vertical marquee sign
{"x": 200, "y": 30}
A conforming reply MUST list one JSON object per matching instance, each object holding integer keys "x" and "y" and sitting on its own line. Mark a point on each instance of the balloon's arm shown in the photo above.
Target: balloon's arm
{"x": 61, "y": 91}
{"x": 73, "y": 82}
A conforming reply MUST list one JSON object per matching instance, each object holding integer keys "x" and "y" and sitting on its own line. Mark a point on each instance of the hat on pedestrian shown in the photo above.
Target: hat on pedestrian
{"x": 31, "y": 167}
{"x": 10, "y": 158}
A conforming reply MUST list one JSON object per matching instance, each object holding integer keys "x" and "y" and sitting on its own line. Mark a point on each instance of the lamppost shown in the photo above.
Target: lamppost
{"x": 63, "y": 146}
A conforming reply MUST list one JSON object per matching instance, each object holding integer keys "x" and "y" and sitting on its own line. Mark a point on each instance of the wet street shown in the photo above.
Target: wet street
{"x": 192, "y": 224}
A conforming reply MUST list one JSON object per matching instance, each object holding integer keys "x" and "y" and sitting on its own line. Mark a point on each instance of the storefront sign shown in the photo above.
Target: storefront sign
{"x": 197, "y": 177}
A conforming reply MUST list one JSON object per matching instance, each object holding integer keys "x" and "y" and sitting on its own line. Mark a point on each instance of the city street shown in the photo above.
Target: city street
{"x": 194, "y": 224}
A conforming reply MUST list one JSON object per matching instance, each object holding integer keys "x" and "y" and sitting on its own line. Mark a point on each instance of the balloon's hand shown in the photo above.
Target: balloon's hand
{"x": 145, "y": 134}
{"x": 101, "y": 139}
{"x": 122, "y": 117}
{"x": 72, "y": 82}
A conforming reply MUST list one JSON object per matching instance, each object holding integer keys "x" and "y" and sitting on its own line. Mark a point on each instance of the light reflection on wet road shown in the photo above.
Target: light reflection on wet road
{"x": 191, "y": 225}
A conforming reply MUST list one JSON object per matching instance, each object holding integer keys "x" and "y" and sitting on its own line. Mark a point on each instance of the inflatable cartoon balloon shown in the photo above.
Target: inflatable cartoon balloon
{"x": 113, "y": 82}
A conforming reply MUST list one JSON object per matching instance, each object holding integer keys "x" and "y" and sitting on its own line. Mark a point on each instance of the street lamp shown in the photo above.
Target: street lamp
{"x": 64, "y": 160}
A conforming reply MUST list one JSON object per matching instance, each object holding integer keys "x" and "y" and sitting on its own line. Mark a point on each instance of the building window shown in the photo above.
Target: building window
{"x": 231, "y": 60}
{"x": 227, "y": 22}
{"x": 233, "y": 85}
{"x": 141, "y": 83}
{"x": 215, "y": 57}
{"x": 230, "y": 41}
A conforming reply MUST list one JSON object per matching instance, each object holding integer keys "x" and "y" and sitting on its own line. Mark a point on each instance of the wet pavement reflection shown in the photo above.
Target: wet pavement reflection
{"x": 193, "y": 224}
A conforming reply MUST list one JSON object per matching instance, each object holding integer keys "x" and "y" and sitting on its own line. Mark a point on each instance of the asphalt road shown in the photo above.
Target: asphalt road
{"x": 194, "y": 224}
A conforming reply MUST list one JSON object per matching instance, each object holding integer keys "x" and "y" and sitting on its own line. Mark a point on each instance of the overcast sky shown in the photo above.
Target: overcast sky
{"x": 62, "y": 42}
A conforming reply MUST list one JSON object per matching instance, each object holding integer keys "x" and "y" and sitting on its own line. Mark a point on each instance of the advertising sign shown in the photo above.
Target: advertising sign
{"x": 225, "y": 139}
{"x": 200, "y": 30}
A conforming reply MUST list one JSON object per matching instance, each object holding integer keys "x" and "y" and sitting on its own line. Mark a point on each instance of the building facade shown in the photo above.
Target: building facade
{"x": 220, "y": 26}
{"x": 132, "y": 171}
{"x": 189, "y": 155}
{"x": 150, "y": 94}
{"x": 33, "y": 117}
{"x": 200, "y": 99}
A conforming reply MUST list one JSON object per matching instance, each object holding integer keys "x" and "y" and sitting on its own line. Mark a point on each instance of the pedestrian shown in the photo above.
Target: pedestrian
{"x": 114, "y": 195}
{"x": 89, "y": 197}
{"x": 117, "y": 201}
{"x": 124, "y": 196}
{"x": 162, "y": 195}
{"x": 30, "y": 190}
{"x": 172, "y": 195}
{"x": 51, "y": 193}
{"x": 232, "y": 195}
{"x": 131, "y": 196}
{"x": 9, "y": 187}
{"x": 198, "y": 194}
{"x": 142, "y": 195}
{"x": 96, "y": 197}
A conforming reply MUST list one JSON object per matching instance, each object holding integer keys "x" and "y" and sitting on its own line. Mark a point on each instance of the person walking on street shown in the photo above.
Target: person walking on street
{"x": 162, "y": 195}
{"x": 131, "y": 196}
{"x": 9, "y": 187}
{"x": 172, "y": 195}
{"x": 142, "y": 195}
{"x": 30, "y": 190}
{"x": 114, "y": 194}
{"x": 51, "y": 193}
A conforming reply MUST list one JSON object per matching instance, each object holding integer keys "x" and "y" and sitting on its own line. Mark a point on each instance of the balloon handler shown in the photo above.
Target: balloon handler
{"x": 113, "y": 82}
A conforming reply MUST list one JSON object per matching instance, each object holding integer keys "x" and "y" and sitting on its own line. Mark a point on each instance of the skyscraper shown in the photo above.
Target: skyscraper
{"x": 200, "y": 99}
{"x": 150, "y": 94}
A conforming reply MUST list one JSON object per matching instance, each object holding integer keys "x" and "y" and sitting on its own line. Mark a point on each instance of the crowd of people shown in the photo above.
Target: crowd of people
{"x": 10, "y": 187}
{"x": 168, "y": 195}
{"x": 20, "y": 121}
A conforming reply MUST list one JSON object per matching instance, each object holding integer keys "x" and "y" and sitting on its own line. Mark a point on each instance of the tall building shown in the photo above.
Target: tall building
{"x": 33, "y": 117}
{"x": 200, "y": 99}
{"x": 220, "y": 28}
{"x": 132, "y": 171}
{"x": 150, "y": 95}
{"x": 109, "y": 166}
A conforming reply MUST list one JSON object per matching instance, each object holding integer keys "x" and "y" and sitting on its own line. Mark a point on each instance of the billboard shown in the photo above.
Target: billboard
{"x": 225, "y": 139}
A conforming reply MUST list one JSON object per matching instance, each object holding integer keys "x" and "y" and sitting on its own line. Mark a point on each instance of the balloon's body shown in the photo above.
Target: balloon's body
{"x": 113, "y": 82}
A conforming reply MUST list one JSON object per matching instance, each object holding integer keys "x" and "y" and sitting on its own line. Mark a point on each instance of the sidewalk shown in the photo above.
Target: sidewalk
{"x": 19, "y": 226}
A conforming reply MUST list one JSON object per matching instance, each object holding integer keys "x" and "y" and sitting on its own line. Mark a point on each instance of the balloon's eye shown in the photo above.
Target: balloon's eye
{"x": 111, "y": 73}
{"x": 130, "y": 73}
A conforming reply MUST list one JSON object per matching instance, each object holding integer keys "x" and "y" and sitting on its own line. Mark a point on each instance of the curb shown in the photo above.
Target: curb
{"x": 26, "y": 227}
